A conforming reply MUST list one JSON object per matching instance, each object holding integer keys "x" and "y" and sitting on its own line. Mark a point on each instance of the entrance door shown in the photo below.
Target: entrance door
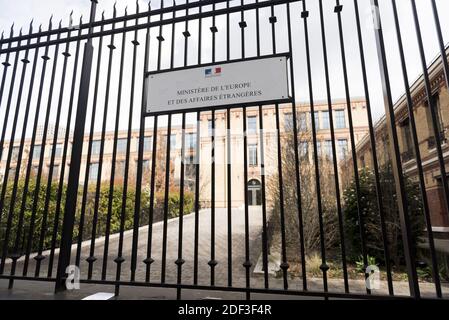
{"x": 254, "y": 193}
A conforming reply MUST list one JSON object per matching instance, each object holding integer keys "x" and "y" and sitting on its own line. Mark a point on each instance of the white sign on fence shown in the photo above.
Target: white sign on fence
{"x": 230, "y": 83}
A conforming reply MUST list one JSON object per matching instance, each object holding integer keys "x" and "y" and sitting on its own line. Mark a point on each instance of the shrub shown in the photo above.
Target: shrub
{"x": 371, "y": 217}
{"x": 102, "y": 215}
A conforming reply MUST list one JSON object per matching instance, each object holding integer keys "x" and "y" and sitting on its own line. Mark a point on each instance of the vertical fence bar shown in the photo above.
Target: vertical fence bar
{"x": 6, "y": 65}
{"x": 229, "y": 161}
{"x": 137, "y": 204}
{"x": 89, "y": 147}
{"x": 180, "y": 261}
{"x": 395, "y": 158}
{"x": 262, "y": 169}
{"x": 166, "y": 195}
{"x": 197, "y": 170}
{"x": 9, "y": 156}
{"x": 338, "y": 9}
{"x": 119, "y": 260}
{"x": 197, "y": 198}
{"x": 372, "y": 136}
{"x": 295, "y": 144}
{"x": 16, "y": 254}
{"x": 45, "y": 59}
{"x": 212, "y": 262}
{"x": 91, "y": 259}
{"x": 77, "y": 148}
{"x": 305, "y": 16}
{"x": 148, "y": 260}
{"x": 63, "y": 165}
{"x": 10, "y": 147}
{"x": 247, "y": 264}
{"x": 324, "y": 266}
{"x": 284, "y": 265}
{"x": 167, "y": 165}
{"x": 40, "y": 172}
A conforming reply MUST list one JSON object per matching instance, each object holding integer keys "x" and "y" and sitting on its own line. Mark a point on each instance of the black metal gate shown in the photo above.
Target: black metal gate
{"x": 86, "y": 169}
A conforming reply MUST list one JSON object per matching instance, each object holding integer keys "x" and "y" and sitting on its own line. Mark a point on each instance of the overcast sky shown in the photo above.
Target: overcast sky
{"x": 21, "y": 12}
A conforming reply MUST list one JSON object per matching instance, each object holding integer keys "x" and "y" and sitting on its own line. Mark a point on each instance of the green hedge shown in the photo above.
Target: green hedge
{"x": 116, "y": 209}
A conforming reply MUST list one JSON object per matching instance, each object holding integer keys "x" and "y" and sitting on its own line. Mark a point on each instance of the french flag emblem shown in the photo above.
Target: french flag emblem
{"x": 212, "y": 72}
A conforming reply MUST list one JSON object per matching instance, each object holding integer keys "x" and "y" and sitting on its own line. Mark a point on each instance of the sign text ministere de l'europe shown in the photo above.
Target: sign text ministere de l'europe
{"x": 242, "y": 82}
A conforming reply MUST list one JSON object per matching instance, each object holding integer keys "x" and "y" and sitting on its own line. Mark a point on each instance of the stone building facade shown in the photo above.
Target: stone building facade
{"x": 342, "y": 137}
{"x": 426, "y": 140}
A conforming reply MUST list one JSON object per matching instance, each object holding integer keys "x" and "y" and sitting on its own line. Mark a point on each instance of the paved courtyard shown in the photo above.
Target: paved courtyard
{"x": 204, "y": 250}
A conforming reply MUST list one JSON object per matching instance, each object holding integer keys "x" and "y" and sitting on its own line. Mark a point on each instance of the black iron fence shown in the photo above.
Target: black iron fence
{"x": 87, "y": 172}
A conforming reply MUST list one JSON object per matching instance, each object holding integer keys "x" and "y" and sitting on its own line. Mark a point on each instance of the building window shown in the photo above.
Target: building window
{"x": 303, "y": 150}
{"x": 435, "y": 105}
{"x": 325, "y": 120}
{"x": 146, "y": 166}
{"x": 11, "y": 173}
{"x": 340, "y": 119}
{"x": 328, "y": 149}
{"x": 288, "y": 121}
{"x": 120, "y": 169}
{"x": 121, "y": 145}
{"x": 252, "y": 125}
{"x": 55, "y": 172}
{"x": 15, "y": 153}
{"x": 37, "y": 152}
{"x": 191, "y": 141}
{"x": 318, "y": 149}
{"x": 317, "y": 120}
{"x": 342, "y": 148}
{"x": 93, "y": 172}
{"x": 96, "y": 144}
{"x": 302, "y": 122}
{"x": 210, "y": 130}
{"x": 172, "y": 141}
{"x": 252, "y": 150}
{"x": 408, "y": 153}
{"x": 58, "y": 151}
{"x": 147, "y": 144}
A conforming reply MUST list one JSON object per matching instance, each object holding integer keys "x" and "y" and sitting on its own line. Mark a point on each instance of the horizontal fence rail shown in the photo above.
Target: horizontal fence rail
{"x": 338, "y": 190}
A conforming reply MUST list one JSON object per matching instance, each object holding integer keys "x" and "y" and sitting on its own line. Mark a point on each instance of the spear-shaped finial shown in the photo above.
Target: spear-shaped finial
{"x": 60, "y": 24}
{"x": 12, "y": 29}
{"x": 126, "y": 10}
{"x": 20, "y": 32}
{"x": 50, "y": 22}
{"x": 137, "y": 6}
{"x": 102, "y": 15}
{"x": 30, "y": 29}
{"x": 40, "y": 27}
{"x": 149, "y": 5}
{"x": 2, "y": 35}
